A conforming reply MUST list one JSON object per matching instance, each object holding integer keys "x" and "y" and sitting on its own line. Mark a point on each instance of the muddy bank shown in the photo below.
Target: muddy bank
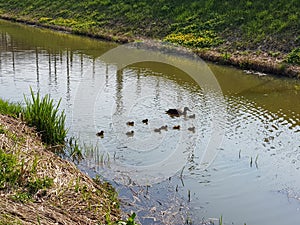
{"x": 252, "y": 61}
{"x": 72, "y": 197}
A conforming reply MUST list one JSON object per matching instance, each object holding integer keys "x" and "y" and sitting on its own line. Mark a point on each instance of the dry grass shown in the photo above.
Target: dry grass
{"x": 74, "y": 198}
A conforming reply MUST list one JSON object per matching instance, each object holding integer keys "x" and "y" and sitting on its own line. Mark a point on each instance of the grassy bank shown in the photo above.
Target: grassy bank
{"x": 224, "y": 31}
{"x": 36, "y": 185}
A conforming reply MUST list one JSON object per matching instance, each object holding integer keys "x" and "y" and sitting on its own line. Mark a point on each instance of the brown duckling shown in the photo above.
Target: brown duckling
{"x": 130, "y": 133}
{"x": 130, "y": 123}
{"x": 145, "y": 121}
{"x": 165, "y": 127}
{"x": 176, "y": 127}
{"x": 157, "y": 130}
{"x": 192, "y": 129}
{"x": 100, "y": 134}
{"x": 192, "y": 116}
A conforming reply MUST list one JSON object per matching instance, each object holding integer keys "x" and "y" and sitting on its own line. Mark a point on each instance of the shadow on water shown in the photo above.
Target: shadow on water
{"x": 258, "y": 163}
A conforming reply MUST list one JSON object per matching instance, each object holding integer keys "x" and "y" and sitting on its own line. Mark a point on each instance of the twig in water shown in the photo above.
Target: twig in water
{"x": 181, "y": 172}
{"x": 256, "y": 161}
{"x": 181, "y": 176}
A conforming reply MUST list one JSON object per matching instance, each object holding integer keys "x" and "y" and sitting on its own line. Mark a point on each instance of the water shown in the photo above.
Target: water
{"x": 163, "y": 176}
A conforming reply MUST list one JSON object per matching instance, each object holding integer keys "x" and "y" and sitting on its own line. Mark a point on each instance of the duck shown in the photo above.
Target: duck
{"x": 157, "y": 130}
{"x": 177, "y": 127}
{"x": 165, "y": 127}
{"x": 130, "y": 133}
{"x": 130, "y": 123}
{"x": 192, "y": 116}
{"x": 177, "y": 112}
{"x": 145, "y": 121}
{"x": 100, "y": 134}
{"x": 192, "y": 129}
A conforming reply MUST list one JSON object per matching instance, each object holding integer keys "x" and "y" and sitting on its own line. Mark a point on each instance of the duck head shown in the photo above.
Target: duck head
{"x": 185, "y": 109}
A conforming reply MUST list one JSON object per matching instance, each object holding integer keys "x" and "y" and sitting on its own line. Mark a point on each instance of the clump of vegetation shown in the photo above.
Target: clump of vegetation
{"x": 294, "y": 56}
{"x": 11, "y": 109}
{"x": 72, "y": 150}
{"x": 44, "y": 115}
{"x": 129, "y": 221}
{"x": 208, "y": 39}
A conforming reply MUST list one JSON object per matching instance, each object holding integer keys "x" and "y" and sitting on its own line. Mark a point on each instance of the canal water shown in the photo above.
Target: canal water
{"x": 236, "y": 153}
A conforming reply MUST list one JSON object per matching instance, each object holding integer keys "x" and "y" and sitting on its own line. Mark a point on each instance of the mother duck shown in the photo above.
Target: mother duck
{"x": 177, "y": 112}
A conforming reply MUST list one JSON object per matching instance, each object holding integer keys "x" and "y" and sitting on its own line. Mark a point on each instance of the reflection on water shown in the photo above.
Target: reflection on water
{"x": 257, "y": 168}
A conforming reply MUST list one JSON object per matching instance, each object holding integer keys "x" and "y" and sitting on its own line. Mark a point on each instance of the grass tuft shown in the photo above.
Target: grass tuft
{"x": 43, "y": 114}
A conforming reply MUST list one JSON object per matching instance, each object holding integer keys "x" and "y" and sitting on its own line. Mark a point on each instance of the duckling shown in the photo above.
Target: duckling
{"x": 177, "y": 112}
{"x": 145, "y": 121}
{"x": 100, "y": 134}
{"x": 165, "y": 127}
{"x": 192, "y": 116}
{"x": 157, "y": 130}
{"x": 192, "y": 129}
{"x": 130, "y": 123}
{"x": 130, "y": 133}
{"x": 176, "y": 127}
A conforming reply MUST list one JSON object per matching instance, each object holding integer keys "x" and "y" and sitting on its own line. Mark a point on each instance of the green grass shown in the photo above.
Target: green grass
{"x": 9, "y": 170}
{"x": 294, "y": 56}
{"x": 43, "y": 114}
{"x": 13, "y": 178}
{"x": 9, "y": 108}
{"x": 6, "y": 219}
{"x": 221, "y": 220}
{"x": 73, "y": 150}
{"x": 272, "y": 25}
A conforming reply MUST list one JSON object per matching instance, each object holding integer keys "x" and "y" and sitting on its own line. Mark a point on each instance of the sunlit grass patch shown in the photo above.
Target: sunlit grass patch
{"x": 192, "y": 40}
